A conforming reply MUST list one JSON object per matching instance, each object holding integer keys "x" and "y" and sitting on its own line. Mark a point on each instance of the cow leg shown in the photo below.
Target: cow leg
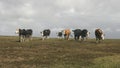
{"x": 82, "y": 38}
{"x": 21, "y": 38}
{"x": 97, "y": 40}
{"x": 64, "y": 36}
{"x": 85, "y": 38}
{"x": 67, "y": 37}
{"x": 47, "y": 37}
{"x": 31, "y": 37}
{"x": 58, "y": 37}
{"x": 27, "y": 38}
{"x": 75, "y": 37}
{"x": 43, "y": 38}
{"x": 79, "y": 37}
{"x": 100, "y": 39}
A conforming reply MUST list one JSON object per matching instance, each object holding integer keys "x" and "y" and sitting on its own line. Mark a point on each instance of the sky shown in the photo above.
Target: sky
{"x": 60, "y": 14}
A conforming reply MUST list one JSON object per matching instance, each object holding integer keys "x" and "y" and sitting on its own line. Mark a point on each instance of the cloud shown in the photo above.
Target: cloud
{"x": 27, "y": 10}
{"x": 59, "y": 14}
{"x": 67, "y": 12}
{"x": 118, "y": 30}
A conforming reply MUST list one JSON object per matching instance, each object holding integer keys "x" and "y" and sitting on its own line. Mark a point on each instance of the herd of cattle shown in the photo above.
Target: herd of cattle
{"x": 26, "y": 34}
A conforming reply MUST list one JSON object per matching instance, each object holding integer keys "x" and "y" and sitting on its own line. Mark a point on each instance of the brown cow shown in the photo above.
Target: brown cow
{"x": 99, "y": 35}
{"x": 67, "y": 33}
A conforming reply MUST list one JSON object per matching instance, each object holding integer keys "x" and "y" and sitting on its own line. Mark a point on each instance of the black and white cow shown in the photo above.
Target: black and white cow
{"x": 24, "y": 34}
{"x": 99, "y": 35}
{"x": 45, "y": 33}
{"x": 77, "y": 33}
{"x": 60, "y": 34}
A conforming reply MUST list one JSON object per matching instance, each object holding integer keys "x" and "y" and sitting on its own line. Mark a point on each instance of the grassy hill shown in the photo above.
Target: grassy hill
{"x": 59, "y": 53}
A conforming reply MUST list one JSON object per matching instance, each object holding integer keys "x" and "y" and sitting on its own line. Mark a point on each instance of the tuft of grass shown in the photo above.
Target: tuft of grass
{"x": 107, "y": 62}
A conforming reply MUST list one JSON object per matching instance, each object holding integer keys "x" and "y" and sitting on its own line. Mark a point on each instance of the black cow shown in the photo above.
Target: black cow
{"x": 24, "y": 34}
{"x": 84, "y": 34}
{"x": 77, "y": 33}
{"x": 99, "y": 35}
{"x": 45, "y": 33}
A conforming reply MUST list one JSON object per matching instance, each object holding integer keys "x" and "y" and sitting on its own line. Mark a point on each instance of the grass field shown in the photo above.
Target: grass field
{"x": 59, "y": 53}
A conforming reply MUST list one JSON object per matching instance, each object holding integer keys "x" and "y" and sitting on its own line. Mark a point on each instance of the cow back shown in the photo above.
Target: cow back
{"x": 98, "y": 32}
{"x": 77, "y": 32}
{"x": 22, "y": 32}
{"x": 29, "y": 31}
{"x": 67, "y": 31}
{"x": 46, "y": 32}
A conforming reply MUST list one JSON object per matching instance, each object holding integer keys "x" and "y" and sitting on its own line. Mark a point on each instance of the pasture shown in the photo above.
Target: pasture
{"x": 59, "y": 53}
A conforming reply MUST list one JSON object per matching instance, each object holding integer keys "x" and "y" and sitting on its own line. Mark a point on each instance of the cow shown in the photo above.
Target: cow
{"x": 60, "y": 34}
{"x": 77, "y": 33}
{"x": 67, "y": 33}
{"x": 45, "y": 33}
{"x": 84, "y": 34}
{"x": 24, "y": 34}
{"x": 80, "y": 34}
{"x": 99, "y": 35}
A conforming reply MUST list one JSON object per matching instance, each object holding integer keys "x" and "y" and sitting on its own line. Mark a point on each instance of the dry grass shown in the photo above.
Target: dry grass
{"x": 56, "y": 53}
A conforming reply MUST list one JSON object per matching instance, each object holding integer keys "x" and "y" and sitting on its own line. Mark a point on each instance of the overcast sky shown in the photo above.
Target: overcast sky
{"x": 60, "y": 14}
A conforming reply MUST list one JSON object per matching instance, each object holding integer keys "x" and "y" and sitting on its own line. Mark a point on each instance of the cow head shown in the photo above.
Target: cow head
{"x": 41, "y": 33}
{"x": 17, "y": 31}
{"x": 102, "y": 36}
